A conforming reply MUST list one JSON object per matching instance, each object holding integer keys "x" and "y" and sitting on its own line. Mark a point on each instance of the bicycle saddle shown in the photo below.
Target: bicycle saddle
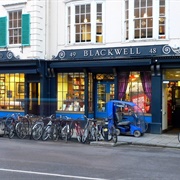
{"x": 93, "y": 120}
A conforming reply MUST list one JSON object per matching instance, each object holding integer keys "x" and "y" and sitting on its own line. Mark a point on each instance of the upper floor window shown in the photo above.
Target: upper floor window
{"x": 143, "y": 22}
{"x": 144, "y": 18}
{"x": 15, "y": 27}
{"x": 85, "y": 23}
{"x": 162, "y": 19}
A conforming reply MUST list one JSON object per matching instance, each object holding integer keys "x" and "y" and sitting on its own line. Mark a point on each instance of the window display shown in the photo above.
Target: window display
{"x": 71, "y": 92}
{"x": 136, "y": 87}
{"x": 11, "y": 91}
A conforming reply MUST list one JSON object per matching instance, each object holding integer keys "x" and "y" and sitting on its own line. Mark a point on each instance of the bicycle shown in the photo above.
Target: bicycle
{"x": 67, "y": 130}
{"x": 78, "y": 130}
{"x": 40, "y": 128}
{"x": 24, "y": 126}
{"x": 47, "y": 130}
{"x": 91, "y": 131}
{"x": 10, "y": 123}
{"x": 108, "y": 131}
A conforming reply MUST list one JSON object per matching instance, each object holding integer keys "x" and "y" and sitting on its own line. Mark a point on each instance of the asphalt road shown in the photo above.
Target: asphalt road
{"x": 29, "y": 159}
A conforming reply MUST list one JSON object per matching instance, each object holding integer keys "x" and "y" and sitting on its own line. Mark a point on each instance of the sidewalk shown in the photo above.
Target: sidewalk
{"x": 160, "y": 140}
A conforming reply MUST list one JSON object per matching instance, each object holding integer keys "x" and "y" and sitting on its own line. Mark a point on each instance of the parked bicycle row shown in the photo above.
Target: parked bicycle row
{"x": 53, "y": 128}
{"x": 122, "y": 118}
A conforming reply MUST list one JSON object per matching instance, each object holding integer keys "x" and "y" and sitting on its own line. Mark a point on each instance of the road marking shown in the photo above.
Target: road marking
{"x": 49, "y": 174}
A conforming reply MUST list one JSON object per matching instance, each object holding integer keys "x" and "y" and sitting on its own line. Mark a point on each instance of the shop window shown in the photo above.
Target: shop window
{"x": 12, "y": 91}
{"x": 90, "y": 93}
{"x": 135, "y": 87}
{"x": 71, "y": 92}
{"x": 82, "y": 26}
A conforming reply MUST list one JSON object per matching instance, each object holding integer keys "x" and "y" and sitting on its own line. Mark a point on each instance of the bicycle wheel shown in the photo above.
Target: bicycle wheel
{"x": 98, "y": 133}
{"x": 93, "y": 133}
{"x": 79, "y": 134}
{"x": 105, "y": 131}
{"x": 21, "y": 130}
{"x": 85, "y": 135}
{"x": 46, "y": 133}
{"x": 37, "y": 131}
{"x": 114, "y": 138}
{"x": 179, "y": 136}
{"x": 11, "y": 131}
{"x": 54, "y": 133}
{"x": 64, "y": 133}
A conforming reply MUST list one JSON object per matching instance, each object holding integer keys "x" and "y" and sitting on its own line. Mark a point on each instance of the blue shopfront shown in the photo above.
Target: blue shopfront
{"x": 82, "y": 81}
{"x": 22, "y": 84}
{"x": 88, "y": 78}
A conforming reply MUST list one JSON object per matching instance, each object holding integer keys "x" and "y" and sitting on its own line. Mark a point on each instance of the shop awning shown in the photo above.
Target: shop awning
{"x": 12, "y": 71}
{"x": 100, "y": 63}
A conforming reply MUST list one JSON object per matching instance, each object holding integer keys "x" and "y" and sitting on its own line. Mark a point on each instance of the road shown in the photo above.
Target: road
{"x": 29, "y": 159}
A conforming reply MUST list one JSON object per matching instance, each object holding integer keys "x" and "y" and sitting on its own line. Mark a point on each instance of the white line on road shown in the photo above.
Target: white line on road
{"x": 49, "y": 174}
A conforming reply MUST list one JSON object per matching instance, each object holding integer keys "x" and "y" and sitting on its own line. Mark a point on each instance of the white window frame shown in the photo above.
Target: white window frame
{"x": 155, "y": 16}
{"x": 11, "y": 8}
{"x": 93, "y": 10}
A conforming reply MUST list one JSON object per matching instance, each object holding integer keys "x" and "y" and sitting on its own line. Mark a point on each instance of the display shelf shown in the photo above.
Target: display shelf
{"x": 2, "y": 87}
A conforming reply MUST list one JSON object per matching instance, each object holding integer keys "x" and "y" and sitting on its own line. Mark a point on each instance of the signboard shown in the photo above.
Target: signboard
{"x": 117, "y": 52}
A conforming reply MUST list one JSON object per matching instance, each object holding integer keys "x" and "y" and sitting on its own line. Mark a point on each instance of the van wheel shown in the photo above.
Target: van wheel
{"x": 137, "y": 133}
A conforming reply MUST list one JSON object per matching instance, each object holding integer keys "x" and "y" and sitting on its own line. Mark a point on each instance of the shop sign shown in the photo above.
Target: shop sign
{"x": 7, "y": 55}
{"x": 117, "y": 52}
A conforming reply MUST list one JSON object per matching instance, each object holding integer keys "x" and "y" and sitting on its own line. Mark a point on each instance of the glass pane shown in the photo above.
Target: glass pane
{"x": 98, "y": 29}
{"x": 83, "y": 19}
{"x": 149, "y": 2}
{"x": 77, "y": 10}
{"x": 162, "y": 2}
{"x": 149, "y": 12}
{"x": 137, "y": 33}
{"x": 101, "y": 97}
{"x": 143, "y": 33}
{"x": 88, "y": 8}
{"x": 77, "y": 19}
{"x": 143, "y": 3}
{"x": 77, "y": 28}
{"x": 99, "y": 39}
{"x": 82, "y": 8}
{"x": 162, "y": 11}
{"x": 137, "y": 23}
{"x": 70, "y": 92}
{"x": 111, "y": 91}
{"x": 88, "y": 17}
{"x": 15, "y": 15}
{"x": 99, "y": 7}
{"x": 136, "y": 13}
{"x": 78, "y": 38}
{"x": 149, "y": 23}
{"x": 161, "y": 30}
{"x": 136, "y": 3}
{"x": 149, "y": 33}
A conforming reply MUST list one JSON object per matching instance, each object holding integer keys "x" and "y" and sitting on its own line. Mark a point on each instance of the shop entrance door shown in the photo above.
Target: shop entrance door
{"x": 34, "y": 98}
{"x": 105, "y": 92}
{"x": 176, "y": 106}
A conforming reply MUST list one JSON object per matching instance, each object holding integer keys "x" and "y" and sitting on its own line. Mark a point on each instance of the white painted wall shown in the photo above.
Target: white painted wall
{"x": 48, "y": 27}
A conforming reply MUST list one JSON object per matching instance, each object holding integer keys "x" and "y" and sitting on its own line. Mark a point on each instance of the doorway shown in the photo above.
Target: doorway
{"x": 34, "y": 98}
{"x": 176, "y": 106}
{"x": 105, "y": 93}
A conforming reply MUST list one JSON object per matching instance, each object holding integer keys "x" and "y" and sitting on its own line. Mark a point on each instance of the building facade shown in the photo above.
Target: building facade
{"x": 71, "y": 57}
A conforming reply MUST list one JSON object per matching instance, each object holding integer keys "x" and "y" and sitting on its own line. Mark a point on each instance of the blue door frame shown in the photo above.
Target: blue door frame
{"x": 104, "y": 93}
